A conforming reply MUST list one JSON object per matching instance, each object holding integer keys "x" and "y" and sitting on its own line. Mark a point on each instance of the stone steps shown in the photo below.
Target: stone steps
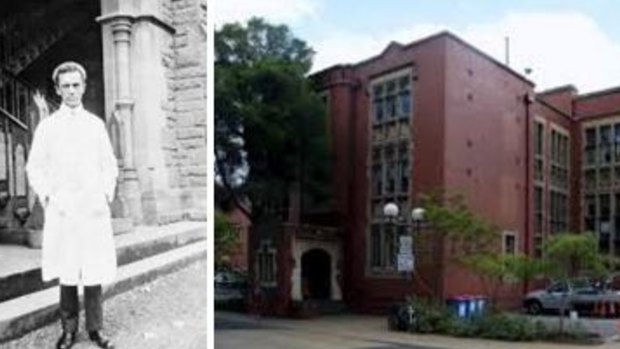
{"x": 142, "y": 243}
{"x": 143, "y": 256}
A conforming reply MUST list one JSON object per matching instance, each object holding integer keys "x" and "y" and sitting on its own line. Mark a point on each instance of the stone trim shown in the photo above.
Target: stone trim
{"x": 138, "y": 18}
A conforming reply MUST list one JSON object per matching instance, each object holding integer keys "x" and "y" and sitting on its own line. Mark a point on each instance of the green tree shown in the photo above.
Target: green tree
{"x": 226, "y": 239}
{"x": 475, "y": 241}
{"x": 569, "y": 255}
{"x": 477, "y": 244}
{"x": 270, "y": 125}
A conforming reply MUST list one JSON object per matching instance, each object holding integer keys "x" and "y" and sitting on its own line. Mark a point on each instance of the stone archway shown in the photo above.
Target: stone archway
{"x": 316, "y": 274}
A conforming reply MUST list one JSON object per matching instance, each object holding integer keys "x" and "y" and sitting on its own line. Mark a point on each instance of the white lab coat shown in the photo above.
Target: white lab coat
{"x": 73, "y": 170}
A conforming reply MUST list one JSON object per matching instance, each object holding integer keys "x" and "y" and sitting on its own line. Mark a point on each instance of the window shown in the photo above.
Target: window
{"x": 559, "y": 180}
{"x": 558, "y": 212}
{"x": 538, "y": 138}
{"x": 383, "y": 246}
{"x": 590, "y": 213}
{"x": 590, "y": 146}
{"x": 559, "y": 160}
{"x": 538, "y": 246}
{"x": 538, "y": 209}
{"x": 604, "y": 207}
{"x": 509, "y": 243}
{"x": 377, "y": 176}
{"x": 389, "y": 243}
{"x": 390, "y": 158}
{"x": 590, "y": 179}
{"x": 378, "y": 108}
{"x": 403, "y": 161}
{"x": 617, "y": 142}
{"x": 404, "y": 97}
{"x": 392, "y": 98}
{"x": 605, "y": 144}
{"x": 604, "y": 223}
{"x": 601, "y": 184}
{"x": 539, "y": 132}
{"x": 560, "y": 287}
{"x": 389, "y": 163}
{"x": 266, "y": 260}
{"x": 605, "y": 178}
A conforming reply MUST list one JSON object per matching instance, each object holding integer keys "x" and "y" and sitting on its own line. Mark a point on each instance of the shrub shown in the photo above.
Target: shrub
{"x": 432, "y": 316}
{"x": 510, "y": 327}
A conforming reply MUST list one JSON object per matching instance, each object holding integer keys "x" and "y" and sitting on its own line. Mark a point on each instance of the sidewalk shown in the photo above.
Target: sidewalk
{"x": 374, "y": 329}
{"x": 26, "y": 303}
{"x": 168, "y": 312}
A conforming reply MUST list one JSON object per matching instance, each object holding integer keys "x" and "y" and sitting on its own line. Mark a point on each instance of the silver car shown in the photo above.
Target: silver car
{"x": 575, "y": 293}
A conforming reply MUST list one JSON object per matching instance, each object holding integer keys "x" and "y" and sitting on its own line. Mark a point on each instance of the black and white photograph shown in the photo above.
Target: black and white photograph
{"x": 103, "y": 174}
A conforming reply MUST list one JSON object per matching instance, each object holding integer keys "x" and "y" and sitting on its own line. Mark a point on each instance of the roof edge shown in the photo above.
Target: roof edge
{"x": 441, "y": 34}
{"x": 599, "y": 93}
{"x": 556, "y": 89}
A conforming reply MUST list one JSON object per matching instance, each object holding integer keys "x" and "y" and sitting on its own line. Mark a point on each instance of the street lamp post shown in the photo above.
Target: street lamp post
{"x": 417, "y": 215}
{"x": 405, "y": 256}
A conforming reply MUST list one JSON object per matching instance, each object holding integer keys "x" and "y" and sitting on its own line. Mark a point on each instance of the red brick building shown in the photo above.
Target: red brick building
{"x": 439, "y": 113}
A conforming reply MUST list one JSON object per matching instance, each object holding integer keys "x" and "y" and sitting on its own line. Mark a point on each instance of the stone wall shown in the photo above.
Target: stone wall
{"x": 185, "y": 130}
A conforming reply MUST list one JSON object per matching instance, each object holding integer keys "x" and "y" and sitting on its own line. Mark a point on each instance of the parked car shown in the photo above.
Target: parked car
{"x": 230, "y": 289}
{"x": 578, "y": 294}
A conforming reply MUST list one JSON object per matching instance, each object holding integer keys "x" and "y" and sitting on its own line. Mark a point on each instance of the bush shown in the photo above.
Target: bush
{"x": 431, "y": 316}
{"x": 510, "y": 328}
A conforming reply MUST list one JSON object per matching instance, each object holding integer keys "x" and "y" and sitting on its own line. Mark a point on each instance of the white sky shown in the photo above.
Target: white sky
{"x": 561, "y": 47}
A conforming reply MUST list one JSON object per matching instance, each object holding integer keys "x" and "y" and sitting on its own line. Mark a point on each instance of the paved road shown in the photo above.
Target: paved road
{"x": 234, "y": 331}
{"x": 606, "y": 328}
{"x": 169, "y": 312}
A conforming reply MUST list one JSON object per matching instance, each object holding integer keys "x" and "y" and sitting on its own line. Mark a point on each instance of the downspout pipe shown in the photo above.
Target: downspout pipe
{"x": 528, "y": 100}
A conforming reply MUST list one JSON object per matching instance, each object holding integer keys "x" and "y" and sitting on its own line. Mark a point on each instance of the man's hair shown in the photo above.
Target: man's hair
{"x": 68, "y": 67}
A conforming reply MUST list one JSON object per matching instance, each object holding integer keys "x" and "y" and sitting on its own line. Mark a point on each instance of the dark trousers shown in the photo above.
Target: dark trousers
{"x": 70, "y": 308}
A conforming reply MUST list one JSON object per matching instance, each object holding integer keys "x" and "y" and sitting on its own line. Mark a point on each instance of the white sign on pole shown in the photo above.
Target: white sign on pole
{"x": 405, "y": 245}
{"x": 405, "y": 262}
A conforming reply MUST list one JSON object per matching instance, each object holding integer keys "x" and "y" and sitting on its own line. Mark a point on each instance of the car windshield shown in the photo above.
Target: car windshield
{"x": 581, "y": 283}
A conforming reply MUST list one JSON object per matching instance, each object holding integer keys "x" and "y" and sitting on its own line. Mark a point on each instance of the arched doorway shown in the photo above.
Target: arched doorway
{"x": 316, "y": 274}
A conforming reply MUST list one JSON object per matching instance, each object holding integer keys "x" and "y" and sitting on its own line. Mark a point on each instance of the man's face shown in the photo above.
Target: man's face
{"x": 71, "y": 88}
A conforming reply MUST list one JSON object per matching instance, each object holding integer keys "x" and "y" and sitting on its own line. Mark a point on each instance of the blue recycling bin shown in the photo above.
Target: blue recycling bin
{"x": 459, "y": 306}
{"x": 476, "y": 305}
{"x": 467, "y": 306}
{"x": 481, "y": 302}
{"x": 472, "y": 306}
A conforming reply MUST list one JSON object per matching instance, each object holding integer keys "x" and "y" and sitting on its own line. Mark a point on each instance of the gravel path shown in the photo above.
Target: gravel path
{"x": 169, "y": 312}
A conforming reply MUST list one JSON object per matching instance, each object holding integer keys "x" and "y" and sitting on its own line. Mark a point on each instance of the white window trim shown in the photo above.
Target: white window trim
{"x": 514, "y": 234}
{"x": 374, "y": 271}
{"x": 266, "y": 247}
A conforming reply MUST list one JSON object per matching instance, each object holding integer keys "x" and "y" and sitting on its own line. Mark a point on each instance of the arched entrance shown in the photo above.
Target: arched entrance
{"x": 316, "y": 274}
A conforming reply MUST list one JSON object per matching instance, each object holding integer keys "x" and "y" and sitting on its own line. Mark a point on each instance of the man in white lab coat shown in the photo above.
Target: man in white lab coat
{"x": 73, "y": 170}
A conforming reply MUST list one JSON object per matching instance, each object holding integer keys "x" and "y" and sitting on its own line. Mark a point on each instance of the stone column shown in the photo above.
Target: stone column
{"x": 121, "y": 31}
{"x": 129, "y": 189}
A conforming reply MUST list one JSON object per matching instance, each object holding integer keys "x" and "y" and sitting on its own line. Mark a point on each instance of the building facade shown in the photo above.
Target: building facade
{"x": 439, "y": 113}
{"x": 146, "y": 66}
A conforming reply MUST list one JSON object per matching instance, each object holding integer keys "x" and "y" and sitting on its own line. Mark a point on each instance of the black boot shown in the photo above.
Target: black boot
{"x": 101, "y": 341}
{"x": 66, "y": 341}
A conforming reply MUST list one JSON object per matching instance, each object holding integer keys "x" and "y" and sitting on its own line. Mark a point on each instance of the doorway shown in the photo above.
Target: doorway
{"x": 316, "y": 275}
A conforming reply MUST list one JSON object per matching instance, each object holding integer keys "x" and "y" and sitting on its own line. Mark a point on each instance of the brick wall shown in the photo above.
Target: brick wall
{"x": 185, "y": 132}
